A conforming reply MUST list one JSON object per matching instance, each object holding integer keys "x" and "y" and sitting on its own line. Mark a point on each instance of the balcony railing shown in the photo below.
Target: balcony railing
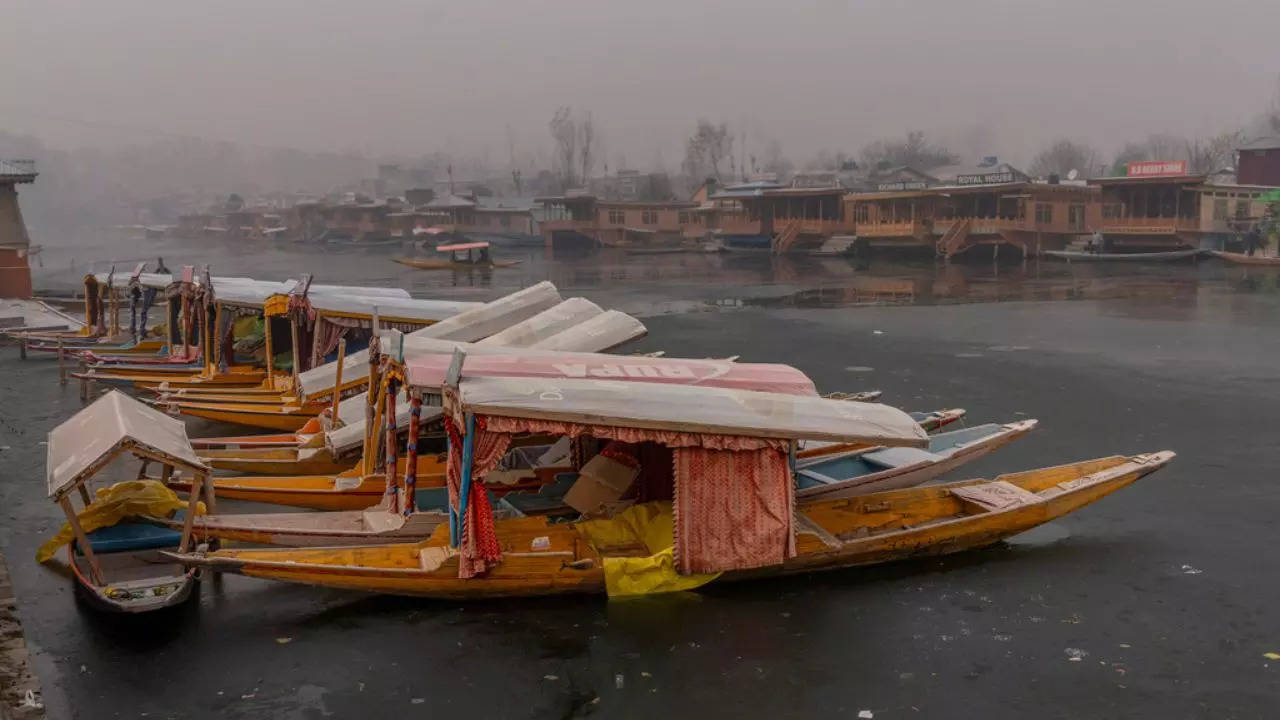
{"x": 17, "y": 168}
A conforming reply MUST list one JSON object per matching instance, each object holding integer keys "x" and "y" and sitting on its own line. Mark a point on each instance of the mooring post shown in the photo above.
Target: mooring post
{"x": 62, "y": 364}
{"x": 22, "y": 348}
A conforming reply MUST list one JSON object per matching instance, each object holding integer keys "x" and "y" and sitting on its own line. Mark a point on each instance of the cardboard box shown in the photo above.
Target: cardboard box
{"x": 601, "y": 482}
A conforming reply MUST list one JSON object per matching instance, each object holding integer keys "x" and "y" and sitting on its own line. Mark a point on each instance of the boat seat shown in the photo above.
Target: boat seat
{"x": 437, "y": 498}
{"x": 896, "y": 457}
{"x": 130, "y": 536}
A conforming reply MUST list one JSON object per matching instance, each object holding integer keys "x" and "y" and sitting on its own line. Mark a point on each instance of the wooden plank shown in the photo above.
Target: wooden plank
{"x": 82, "y": 540}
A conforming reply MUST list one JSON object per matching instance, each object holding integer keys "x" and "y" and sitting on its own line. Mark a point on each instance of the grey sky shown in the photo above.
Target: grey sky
{"x": 387, "y": 76}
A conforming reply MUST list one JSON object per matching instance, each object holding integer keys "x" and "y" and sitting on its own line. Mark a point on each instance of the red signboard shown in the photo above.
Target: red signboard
{"x": 428, "y": 371}
{"x": 1157, "y": 168}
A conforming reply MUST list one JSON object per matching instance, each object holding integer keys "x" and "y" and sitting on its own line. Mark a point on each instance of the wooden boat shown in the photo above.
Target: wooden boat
{"x": 118, "y": 566}
{"x": 1080, "y": 256}
{"x": 476, "y": 555}
{"x": 380, "y": 524}
{"x": 854, "y": 473}
{"x": 1245, "y": 259}
{"x": 476, "y": 256}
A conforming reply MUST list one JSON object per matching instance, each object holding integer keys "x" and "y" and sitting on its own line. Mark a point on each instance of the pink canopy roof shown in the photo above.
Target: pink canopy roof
{"x": 428, "y": 371}
{"x": 462, "y": 246}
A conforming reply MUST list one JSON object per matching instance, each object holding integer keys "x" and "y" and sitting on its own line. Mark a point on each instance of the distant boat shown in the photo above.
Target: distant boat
{"x": 1243, "y": 259}
{"x": 462, "y": 256}
{"x": 1081, "y": 256}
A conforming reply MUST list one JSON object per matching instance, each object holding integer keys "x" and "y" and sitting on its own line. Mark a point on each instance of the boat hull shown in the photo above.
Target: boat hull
{"x": 1244, "y": 259}
{"x": 1167, "y": 256}
{"x": 868, "y": 530}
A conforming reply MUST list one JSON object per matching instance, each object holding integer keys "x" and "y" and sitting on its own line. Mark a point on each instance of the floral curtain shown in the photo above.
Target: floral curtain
{"x": 733, "y": 510}
{"x": 478, "y": 548}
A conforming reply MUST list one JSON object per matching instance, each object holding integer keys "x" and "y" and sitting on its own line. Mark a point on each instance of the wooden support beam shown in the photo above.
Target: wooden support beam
{"x": 82, "y": 540}
{"x": 189, "y": 521}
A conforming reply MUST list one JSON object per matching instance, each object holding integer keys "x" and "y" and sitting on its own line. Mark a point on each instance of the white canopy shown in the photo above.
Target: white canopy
{"x": 390, "y": 308}
{"x": 695, "y": 409}
{"x": 607, "y": 330}
{"x": 114, "y": 423}
{"x": 467, "y": 326}
{"x": 351, "y": 411}
{"x": 546, "y": 323}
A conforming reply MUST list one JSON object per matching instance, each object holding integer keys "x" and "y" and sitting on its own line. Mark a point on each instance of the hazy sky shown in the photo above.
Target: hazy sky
{"x": 387, "y": 76}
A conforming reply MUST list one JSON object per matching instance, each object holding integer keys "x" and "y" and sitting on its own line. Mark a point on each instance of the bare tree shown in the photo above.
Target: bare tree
{"x": 775, "y": 162}
{"x": 913, "y": 151}
{"x": 565, "y": 133}
{"x": 706, "y": 149}
{"x": 1062, "y": 157}
{"x": 1205, "y": 155}
{"x": 587, "y": 135}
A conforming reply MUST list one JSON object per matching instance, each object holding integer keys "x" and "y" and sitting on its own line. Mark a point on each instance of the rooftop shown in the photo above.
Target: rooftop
{"x": 1262, "y": 143}
{"x": 18, "y": 170}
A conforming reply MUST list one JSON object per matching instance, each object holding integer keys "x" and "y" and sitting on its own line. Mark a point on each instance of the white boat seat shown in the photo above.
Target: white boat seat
{"x": 896, "y": 457}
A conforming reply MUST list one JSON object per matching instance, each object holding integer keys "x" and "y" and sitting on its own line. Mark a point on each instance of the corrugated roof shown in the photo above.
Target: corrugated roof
{"x": 24, "y": 170}
{"x": 449, "y": 201}
{"x": 1262, "y": 143}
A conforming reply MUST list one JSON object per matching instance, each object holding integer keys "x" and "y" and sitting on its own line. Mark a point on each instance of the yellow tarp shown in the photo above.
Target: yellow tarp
{"x": 134, "y": 498}
{"x": 650, "y": 525}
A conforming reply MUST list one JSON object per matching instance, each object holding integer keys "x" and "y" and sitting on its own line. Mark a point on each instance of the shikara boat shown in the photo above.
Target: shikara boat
{"x": 858, "y": 472}
{"x": 1081, "y": 256}
{"x": 727, "y": 448}
{"x": 462, "y": 256}
{"x": 116, "y": 557}
{"x": 379, "y": 524}
{"x": 1245, "y": 259}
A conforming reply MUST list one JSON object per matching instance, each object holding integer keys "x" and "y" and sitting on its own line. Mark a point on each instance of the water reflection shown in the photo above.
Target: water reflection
{"x": 689, "y": 280}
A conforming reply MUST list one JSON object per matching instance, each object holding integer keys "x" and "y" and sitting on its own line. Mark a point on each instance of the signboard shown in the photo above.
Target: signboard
{"x": 994, "y": 178}
{"x": 901, "y": 185}
{"x": 1156, "y": 168}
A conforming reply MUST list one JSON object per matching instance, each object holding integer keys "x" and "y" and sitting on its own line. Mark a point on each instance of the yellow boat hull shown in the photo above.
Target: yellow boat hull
{"x": 276, "y": 461}
{"x": 319, "y": 492}
{"x": 542, "y": 558}
{"x": 269, "y": 417}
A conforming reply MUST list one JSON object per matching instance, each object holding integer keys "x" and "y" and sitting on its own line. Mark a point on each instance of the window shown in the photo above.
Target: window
{"x": 1242, "y": 209}
{"x": 617, "y": 217}
{"x": 649, "y": 217}
{"x": 862, "y": 214}
{"x": 1075, "y": 217}
{"x": 683, "y": 218}
{"x": 1219, "y": 209}
{"x": 1044, "y": 214}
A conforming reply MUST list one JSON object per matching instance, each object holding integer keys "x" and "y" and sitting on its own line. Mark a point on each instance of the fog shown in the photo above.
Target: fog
{"x": 384, "y": 77}
{"x": 481, "y": 78}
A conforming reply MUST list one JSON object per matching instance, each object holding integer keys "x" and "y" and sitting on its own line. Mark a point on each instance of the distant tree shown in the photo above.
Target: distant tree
{"x": 775, "y": 162}
{"x": 565, "y": 133}
{"x": 1062, "y": 157}
{"x": 1205, "y": 155}
{"x": 913, "y": 151}
{"x": 587, "y": 136}
{"x": 1156, "y": 146}
{"x": 706, "y": 149}
{"x": 234, "y": 203}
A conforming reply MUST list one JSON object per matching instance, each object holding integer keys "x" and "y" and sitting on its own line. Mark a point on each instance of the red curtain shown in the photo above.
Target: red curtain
{"x": 478, "y": 549}
{"x": 733, "y": 509}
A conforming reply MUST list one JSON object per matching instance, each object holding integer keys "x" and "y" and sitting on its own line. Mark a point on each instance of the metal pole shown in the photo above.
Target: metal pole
{"x": 465, "y": 491}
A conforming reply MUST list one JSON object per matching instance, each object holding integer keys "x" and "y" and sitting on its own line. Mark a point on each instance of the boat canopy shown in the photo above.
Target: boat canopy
{"x": 691, "y": 409}
{"x": 467, "y": 326}
{"x": 391, "y": 309}
{"x": 113, "y": 424}
{"x": 462, "y": 246}
{"x": 551, "y": 321}
{"x": 429, "y": 371}
{"x": 352, "y": 410}
{"x": 610, "y": 328}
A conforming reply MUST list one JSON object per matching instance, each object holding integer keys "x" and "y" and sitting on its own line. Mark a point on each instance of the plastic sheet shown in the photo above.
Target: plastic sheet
{"x": 609, "y": 329}
{"x": 549, "y": 322}
{"x": 650, "y": 525}
{"x": 134, "y": 498}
